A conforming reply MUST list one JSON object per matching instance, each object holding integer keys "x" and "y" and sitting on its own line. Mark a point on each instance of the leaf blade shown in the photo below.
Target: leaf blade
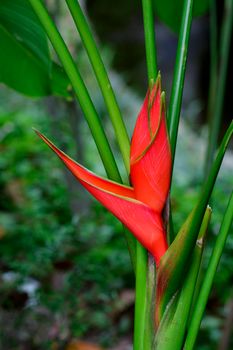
{"x": 209, "y": 276}
{"x": 170, "y": 11}
{"x": 173, "y": 264}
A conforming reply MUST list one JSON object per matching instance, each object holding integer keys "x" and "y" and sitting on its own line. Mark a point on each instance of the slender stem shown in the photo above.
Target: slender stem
{"x": 102, "y": 78}
{"x": 149, "y": 31}
{"x": 209, "y": 277}
{"x": 141, "y": 301}
{"x": 227, "y": 26}
{"x": 213, "y": 67}
{"x": 131, "y": 245}
{"x": 85, "y": 103}
{"x": 179, "y": 74}
{"x": 178, "y": 85}
{"x": 140, "y": 297}
{"x": 80, "y": 90}
{"x": 152, "y": 69}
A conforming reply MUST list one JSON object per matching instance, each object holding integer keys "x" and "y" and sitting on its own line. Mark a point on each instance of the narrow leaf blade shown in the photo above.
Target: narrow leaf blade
{"x": 178, "y": 315}
{"x": 174, "y": 263}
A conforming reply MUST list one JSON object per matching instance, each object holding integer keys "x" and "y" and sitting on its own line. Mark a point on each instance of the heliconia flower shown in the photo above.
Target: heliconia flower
{"x": 138, "y": 207}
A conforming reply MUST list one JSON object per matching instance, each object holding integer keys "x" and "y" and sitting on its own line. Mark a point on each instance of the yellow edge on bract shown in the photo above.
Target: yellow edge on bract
{"x": 119, "y": 196}
{"x": 51, "y": 145}
{"x": 157, "y": 87}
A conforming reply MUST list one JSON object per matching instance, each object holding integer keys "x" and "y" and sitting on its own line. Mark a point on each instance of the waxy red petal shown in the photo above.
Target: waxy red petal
{"x": 147, "y": 123}
{"x": 86, "y": 175}
{"x": 141, "y": 135}
{"x": 155, "y": 106}
{"x": 141, "y": 220}
{"x": 150, "y": 176}
{"x": 151, "y": 171}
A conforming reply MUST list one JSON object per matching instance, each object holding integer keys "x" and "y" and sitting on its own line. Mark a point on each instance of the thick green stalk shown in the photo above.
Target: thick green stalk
{"x": 176, "y": 327}
{"x": 179, "y": 74}
{"x": 102, "y": 78}
{"x": 80, "y": 90}
{"x": 140, "y": 297}
{"x": 217, "y": 108}
{"x": 149, "y": 32}
{"x": 209, "y": 277}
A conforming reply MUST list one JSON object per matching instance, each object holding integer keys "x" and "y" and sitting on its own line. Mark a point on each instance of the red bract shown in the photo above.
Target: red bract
{"x": 138, "y": 207}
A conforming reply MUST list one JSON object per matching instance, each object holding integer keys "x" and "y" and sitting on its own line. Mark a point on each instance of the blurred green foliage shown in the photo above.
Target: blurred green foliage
{"x": 66, "y": 273}
{"x": 42, "y": 240}
{"x": 79, "y": 261}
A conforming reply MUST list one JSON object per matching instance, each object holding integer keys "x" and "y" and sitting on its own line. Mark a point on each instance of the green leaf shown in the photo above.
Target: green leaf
{"x": 176, "y": 260}
{"x": 170, "y": 11}
{"x": 163, "y": 278}
{"x": 173, "y": 324}
{"x": 18, "y": 18}
{"x": 60, "y": 84}
{"x": 19, "y": 69}
{"x": 25, "y": 63}
{"x": 200, "y": 305}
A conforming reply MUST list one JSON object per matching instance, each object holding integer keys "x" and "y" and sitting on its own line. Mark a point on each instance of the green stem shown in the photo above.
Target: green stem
{"x": 178, "y": 85}
{"x": 149, "y": 322}
{"x": 140, "y": 297}
{"x": 179, "y": 74}
{"x": 141, "y": 301}
{"x": 80, "y": 90}
{"x": 102, "y": 78}
{"x": 217, "y": 108}
{"x": 149, "y": 31}
{"x": 85, "y": 103}
{"x": 131, "y": 245}
{"x": 213, "y": 68}
{"x": 152, "y": 69}
{"x": 176, "y": 327}
{"x": 213, "y": 39}
{"x": 209, "y": 277}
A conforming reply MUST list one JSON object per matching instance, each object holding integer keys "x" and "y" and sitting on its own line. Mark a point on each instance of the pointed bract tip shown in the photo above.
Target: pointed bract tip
{"x": 163, "y": 101}
{"x": 155, "y": 84}
{"x": 34, "y": 129}
{"x": 38, "y": 133}
{"x": 44, "y": 138}
{"x": 154, "y": 91}
{"x": 158, "y": 79}
{"x": 151, "y": 84}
